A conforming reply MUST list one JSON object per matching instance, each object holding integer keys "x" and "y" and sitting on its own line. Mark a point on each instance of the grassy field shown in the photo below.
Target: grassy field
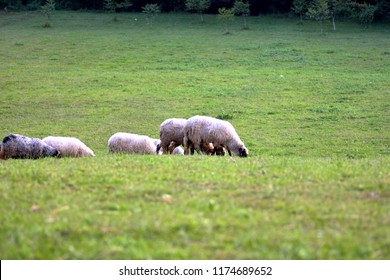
{"x": 313, "y": 110}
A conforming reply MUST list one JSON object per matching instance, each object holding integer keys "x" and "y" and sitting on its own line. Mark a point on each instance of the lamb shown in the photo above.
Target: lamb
{"x": 22, "y": 147}
{"x": 69, "y": 146}
{"x": 123, "y": 142}
{"x": 203, "y": 129}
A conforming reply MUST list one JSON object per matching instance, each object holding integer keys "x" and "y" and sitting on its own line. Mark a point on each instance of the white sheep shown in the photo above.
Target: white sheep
{"x": 69, "y": 146}
{"x": 203, "y": 129}
{"x": 172, "y": 135}
{"x": 171, "y": 130}
{"x": 123, "y": 142}
{"x": 23, "y": 147}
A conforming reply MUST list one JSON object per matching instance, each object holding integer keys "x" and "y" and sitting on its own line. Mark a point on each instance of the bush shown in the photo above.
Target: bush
{"x": 151, "y": 10}
{"x": 367, "y": 15}
{"x": 48, "y": 10}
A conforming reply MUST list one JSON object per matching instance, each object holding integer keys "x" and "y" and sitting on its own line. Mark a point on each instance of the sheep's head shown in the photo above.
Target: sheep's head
{"x": 171, "y": 147}
{"x": 158, "y": 147}
{"x": 207, "y": 148}
{"x": 220, "y": 150}
{"x": 243, "y": 151}
{"x": 49, "y": 151}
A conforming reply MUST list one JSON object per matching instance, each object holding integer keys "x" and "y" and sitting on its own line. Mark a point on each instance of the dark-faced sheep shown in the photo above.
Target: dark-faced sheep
{"x": 203, "y": 129}
{"x": 22, "y": 147}
{"x": 69, "y": 146}
{"x": 123, "y": 142}
{"x": 172, "y": 135}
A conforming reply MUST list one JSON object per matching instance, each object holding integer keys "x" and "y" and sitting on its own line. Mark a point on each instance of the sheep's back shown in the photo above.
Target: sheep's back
{"x": 69, "y": 146}
{"x": 131, "y": 143}
{"x": 172, "y": 130}
{"x": 19, "y": 146}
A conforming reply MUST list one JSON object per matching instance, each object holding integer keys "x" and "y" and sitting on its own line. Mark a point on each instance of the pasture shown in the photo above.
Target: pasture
{"x": 313, "y": 109}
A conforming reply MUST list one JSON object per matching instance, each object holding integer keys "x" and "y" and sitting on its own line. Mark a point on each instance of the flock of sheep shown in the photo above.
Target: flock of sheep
{"x": 203, "y": 134}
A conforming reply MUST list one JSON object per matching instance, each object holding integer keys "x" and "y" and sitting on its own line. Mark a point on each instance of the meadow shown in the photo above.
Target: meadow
{"x": 313, "y": 109}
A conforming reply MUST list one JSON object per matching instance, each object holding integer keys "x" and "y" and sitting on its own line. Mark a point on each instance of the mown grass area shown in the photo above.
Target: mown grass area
{"x": 313, "y": 110}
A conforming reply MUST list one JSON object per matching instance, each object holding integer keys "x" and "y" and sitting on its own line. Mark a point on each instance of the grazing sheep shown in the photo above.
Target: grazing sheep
{"x": 171, "y": 130}
{"x": 69, "y": 146}
{"x": 19, "y": 146}
{"x": 202, "y": 129}
{"x": 172, "y": 134}
{"x": 123, "y": 142}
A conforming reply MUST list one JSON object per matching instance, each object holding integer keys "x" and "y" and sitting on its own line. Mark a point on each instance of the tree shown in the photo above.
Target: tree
{"x": 241, "y": 8}
{"x": 367, "y": 14}
{"x": 151, "y": 10}
{"x": 226, "y": 16}
{"x": 115, "y": 5}
{"x": 199, "y": 6}
{"x": 337, "y": 7}
{"x": 299, "y": 7}
{"x": 319, "y": 10}
{"x": 48, "y": 10}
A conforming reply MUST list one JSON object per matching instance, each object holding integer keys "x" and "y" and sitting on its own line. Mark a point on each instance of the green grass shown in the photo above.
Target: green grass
{"x": 313, "y": 110}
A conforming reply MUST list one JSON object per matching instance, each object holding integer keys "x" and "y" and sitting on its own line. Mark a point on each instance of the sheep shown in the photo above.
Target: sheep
{"x": 171, "y": 130}
{"x": 203, "y": 129}
{"x": 22, "y": 147}
{"x": 69, "y": 146}
{"x": 123, "y": 142}
{"x": 172, "y": 134}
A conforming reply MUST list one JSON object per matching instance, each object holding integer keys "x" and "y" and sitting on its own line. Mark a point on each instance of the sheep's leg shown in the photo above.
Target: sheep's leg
{"x": 187, "y": 145}
{"x": 197, "y": 148}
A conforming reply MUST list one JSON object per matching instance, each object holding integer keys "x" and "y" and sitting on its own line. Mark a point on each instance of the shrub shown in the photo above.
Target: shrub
{"x": 226, "y": 16}
{"x": 48, "y": 10}
{"x": 151, "y": 10}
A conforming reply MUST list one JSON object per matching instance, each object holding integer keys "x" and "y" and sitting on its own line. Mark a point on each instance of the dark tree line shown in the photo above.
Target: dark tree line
{"x": 256, "y": 6}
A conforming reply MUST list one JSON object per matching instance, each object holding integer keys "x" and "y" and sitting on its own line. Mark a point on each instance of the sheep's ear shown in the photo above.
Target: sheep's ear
{"x": 7, "y": 138}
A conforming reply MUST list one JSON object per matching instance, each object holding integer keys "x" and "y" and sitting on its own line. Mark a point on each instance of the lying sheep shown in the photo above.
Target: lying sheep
{"x": 171, "y": 130}
{"x": 202, "y": 129}
{"x": 69, "y": 146}
{"x": 123, "y": 142}
{"x": 19, "y": 146}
